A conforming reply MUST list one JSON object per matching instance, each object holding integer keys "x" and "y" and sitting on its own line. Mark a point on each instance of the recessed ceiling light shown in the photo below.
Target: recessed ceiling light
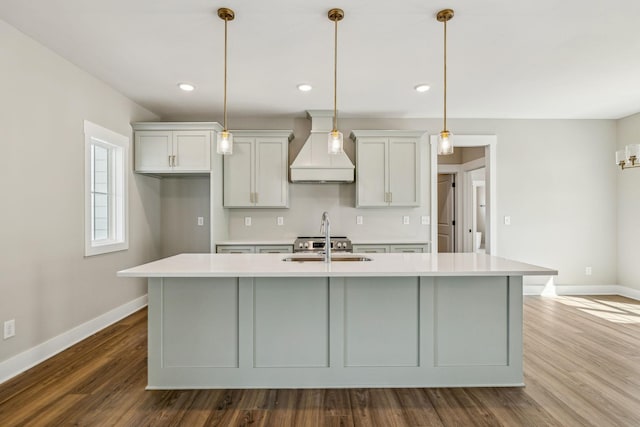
{"x": 422, "y": 88}
{"x": 304, "y": 87}
{"x": 187, "y": 87}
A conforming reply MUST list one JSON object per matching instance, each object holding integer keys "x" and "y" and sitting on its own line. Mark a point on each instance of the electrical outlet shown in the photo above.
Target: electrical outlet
{"x": 9, "y": 328}
{"x": 425, "y": 220}
{"x": 280, "y": 220}
{"x": 200, "y": 220}
{"x": 405, "y": 220}
{"x": 247, "y": 221}
{"x": 587, "y": 271}
{"x": 359, "y": 219}
{"x": 507, "y": 220}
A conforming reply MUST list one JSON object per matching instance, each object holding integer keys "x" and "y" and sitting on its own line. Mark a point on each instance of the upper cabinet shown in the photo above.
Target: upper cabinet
{"x": 166, "y": 148}
{"x": 255, "y": 175}
{"x": 387, "y": 168}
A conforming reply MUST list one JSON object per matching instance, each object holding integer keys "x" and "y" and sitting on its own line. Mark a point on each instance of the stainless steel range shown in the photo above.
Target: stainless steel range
{"x": 316, "y": 244}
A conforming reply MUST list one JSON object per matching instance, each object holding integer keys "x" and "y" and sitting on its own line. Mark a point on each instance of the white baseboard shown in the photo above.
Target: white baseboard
{"x": 29, "y": 358}
{"x": 586, "y": 290}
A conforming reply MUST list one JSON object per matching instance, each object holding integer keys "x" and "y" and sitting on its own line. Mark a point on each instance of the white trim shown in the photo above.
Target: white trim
{"x": 120, "y": 144}
{"x": 586, "y": 290}
{"x": 27, "y": 359}
{"x": 490, "y": 143}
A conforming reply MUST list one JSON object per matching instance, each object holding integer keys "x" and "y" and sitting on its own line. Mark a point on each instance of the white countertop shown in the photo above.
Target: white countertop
{"x": 396, "y": 264}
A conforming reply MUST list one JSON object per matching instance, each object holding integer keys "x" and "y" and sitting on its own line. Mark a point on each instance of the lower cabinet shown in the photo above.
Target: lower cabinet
{"x": 390, "y": 248}
{"x": 254, "y": 249}
{"x": 285, "y": 249}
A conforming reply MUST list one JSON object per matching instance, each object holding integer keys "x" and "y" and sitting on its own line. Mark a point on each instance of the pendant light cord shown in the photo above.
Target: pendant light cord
{"x": 335, "y": 77}
{"x": 225, "y": 74}
{"x": 445, "y": 75}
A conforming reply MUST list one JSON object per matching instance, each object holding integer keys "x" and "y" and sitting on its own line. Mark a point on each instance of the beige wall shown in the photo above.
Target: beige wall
{"x": 46, "y": 283}
{"x": 628, "y": 207}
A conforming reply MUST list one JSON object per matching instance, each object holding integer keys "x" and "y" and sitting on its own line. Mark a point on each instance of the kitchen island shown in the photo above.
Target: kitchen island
{"x": 395, "y": 320}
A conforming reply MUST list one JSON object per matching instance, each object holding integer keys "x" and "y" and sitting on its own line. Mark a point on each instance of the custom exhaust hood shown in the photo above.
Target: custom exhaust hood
{"x": 314, "y": 163}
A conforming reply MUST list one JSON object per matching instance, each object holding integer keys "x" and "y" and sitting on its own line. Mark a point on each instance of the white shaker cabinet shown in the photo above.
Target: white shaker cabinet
{"x": 390, "y": 248}
{"x": 387, "y": 168}
{"x": 255, "y": 175}
{"x": 166, "y": 148}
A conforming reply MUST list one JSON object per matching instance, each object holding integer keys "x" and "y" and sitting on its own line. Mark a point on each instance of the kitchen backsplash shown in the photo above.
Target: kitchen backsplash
{"x": 308, "y": 201}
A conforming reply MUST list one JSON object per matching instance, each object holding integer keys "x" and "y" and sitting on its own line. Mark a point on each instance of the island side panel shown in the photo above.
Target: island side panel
{"x": 291, "y": 322}
{"x": 381, "y": 323}
{"x": 516, "y": 343}
{"x": 471, "y": 321}
{"x": 326, "y": 318}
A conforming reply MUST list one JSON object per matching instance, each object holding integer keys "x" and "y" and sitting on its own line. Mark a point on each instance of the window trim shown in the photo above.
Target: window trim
{"x": 119, "y": 148}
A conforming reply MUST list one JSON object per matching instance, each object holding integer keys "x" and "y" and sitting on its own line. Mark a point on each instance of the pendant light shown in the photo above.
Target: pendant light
{"x": 224, "y": 143}
{"x": 335, "y": 136}
{"x": 445, "y": 144}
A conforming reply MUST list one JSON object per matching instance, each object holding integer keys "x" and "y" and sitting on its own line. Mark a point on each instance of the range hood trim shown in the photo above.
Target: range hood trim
{"x": 314, "y": 164}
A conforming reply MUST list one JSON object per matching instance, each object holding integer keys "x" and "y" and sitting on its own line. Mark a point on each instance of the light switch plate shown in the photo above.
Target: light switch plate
{"x": 588, "y": 271}
{"x": 359, "y": 219}
{"x": 507, "y": 220}
{"x": 405, "y": 220}
{"x": 425, "y": 220}
{"x": 280, "y": 220}
{"x": 200, "y": 220}
{"x": 247, "y": 221}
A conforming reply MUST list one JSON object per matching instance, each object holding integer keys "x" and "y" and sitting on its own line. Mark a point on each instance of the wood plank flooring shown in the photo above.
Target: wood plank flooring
{"x": 582, "y": 368}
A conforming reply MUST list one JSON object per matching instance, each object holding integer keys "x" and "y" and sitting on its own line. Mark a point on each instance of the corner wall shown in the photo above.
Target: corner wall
{"x": 46, "y": 283}
{"x": 628, "y": 207}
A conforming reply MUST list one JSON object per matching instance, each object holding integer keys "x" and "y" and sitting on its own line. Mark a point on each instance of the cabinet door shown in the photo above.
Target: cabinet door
{"x": 370, "y": 249}
{"x": 192, "y": 149}
{"x": 238, "y": 174}
{"x": 408, "y": 248}
{"x": 371, "y": 172}
{"x": 235, "y": 249}
{"x": 274, "y": 249}
{"x": 271, "y": 184}
{"x": 153, "y": 151}
{"x": 404, "y": 172}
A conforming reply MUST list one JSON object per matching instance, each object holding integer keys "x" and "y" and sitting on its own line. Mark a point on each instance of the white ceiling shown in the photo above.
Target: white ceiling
{"x": 506, "y": 58}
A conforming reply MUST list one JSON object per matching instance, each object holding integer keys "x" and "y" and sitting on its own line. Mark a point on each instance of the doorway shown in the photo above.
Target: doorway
{"x": 475, "y": 185}
{"x": 446, "y": 212}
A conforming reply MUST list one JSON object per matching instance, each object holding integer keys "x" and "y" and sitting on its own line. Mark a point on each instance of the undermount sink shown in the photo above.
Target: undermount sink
{"x": 306, "y": 258}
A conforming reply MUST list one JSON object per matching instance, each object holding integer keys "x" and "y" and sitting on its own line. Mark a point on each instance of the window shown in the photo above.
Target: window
{"x": 106, "y": 161}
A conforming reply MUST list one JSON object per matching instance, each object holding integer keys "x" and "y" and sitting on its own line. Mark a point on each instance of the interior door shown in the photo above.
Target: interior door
{"x": 446, "y": 213}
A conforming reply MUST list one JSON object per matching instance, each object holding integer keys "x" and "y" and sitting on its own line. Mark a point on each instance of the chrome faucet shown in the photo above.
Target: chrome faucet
{"x": 325, "y": 227}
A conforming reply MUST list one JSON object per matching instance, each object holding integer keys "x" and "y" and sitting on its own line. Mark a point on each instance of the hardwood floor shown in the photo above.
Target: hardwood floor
{"x": 582, "y": 368}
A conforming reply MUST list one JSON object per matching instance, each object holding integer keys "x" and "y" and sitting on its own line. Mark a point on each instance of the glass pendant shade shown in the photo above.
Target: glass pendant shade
{"x": 632, "y": 153}
{"x": 225, "y": 143}
{"x": 621, "y": 157}
{"x": 445, "y": 144}
{"x": 335, "y": 142}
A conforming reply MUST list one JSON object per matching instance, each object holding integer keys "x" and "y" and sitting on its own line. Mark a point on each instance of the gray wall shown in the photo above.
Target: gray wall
{"x": 555, "y": 180}
{"x": 46, "y": 283}
{"x": 628, "y": 207}
{"x": 184, "y": 199}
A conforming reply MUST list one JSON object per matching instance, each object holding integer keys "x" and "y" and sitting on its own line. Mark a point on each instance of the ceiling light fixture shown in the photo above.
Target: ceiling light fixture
{"x": 335, "y": 136}
{"x": 304, "y": 87}
{"x": 225, "y": 138}
{"x": 445, "y": 145}
{"x": 187, "y": 87}
{"x": 629, "y": 157}
{"x": 422, "y": 88}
